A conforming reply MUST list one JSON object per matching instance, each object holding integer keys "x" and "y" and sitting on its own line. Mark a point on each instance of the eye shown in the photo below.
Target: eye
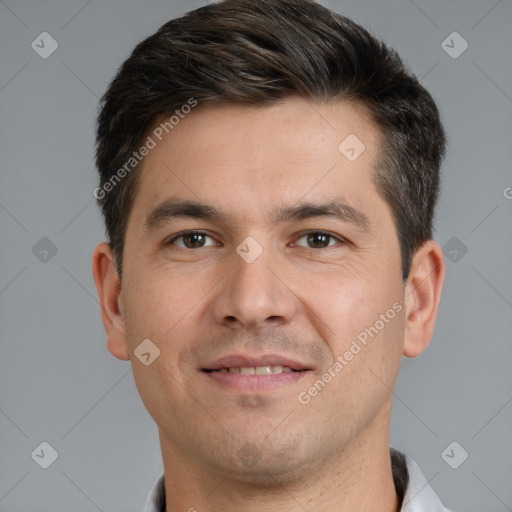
{"x": 318, "y": 240}
{"x": 191, "y": 240}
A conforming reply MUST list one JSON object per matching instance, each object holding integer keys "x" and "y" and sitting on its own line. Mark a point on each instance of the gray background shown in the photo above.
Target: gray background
{"x": 59, "y": 384}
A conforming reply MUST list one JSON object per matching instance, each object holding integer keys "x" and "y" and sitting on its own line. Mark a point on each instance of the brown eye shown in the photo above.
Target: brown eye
{"x": 192, "y": 240}
{"x": 318, "y": 240}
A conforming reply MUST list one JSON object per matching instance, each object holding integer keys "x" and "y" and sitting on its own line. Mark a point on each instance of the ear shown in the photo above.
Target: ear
{"x": 422, "y": 297}
{"x": 108, "y": 285}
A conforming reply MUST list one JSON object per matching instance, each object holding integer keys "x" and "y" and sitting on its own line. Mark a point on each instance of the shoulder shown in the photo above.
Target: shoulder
{"x": 155, "y": 501}
{"x": 418, "y": 495}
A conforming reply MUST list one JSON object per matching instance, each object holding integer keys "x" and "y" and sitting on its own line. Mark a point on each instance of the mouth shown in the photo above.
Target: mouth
{"x": 270, "y": 369}
{"x": 246, "y": 374}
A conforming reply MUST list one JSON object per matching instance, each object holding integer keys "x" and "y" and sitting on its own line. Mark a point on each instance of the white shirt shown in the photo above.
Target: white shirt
{"x": 418, "y": 496}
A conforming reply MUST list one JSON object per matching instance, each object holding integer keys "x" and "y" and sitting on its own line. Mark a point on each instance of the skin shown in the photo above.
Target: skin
{"x": 234, "y": 449}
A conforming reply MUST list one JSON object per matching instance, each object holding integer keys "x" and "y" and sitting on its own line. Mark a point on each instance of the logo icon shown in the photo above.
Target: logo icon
{"x": 249, "y": 249}
{"x": 454, "y": 455}
{"x": 454, "y": 45}
{"x": 250, "y": 454}
{"x": 44, "y": 45}
{"x": 147, "y": 352}
{"x": 44, "y": 250}
{"x": 454, "y": 249}
{"x": 352, "y": 147}
{"x": 44, "y": 455}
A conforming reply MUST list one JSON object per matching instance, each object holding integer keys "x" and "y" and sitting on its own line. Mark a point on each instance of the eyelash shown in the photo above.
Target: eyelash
{"x": 305, "y": 234}
{"x": 339, "y": 239}
{"x": 185, "y": 233}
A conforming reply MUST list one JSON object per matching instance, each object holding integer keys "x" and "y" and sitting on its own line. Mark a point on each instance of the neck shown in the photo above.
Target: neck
{"x": 357, "y": 477}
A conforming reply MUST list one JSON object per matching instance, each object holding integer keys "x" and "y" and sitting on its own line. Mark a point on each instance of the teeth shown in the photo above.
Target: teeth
{"x": 257, "y": 370}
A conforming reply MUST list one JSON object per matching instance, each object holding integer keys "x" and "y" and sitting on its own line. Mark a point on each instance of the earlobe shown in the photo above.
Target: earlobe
{"x": 422, "y": 297}
{"x": 108, "y": 286}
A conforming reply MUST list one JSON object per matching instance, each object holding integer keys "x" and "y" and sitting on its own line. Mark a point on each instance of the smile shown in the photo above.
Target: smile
{"x": 273, "y": 369}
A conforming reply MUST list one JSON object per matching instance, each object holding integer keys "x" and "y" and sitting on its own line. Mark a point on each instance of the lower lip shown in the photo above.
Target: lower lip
{"x": 245, "y": 383}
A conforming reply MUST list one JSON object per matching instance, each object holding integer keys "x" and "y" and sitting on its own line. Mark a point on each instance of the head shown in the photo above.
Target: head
{"x": 287, "y": 132}
{"x": 257, "y": 53}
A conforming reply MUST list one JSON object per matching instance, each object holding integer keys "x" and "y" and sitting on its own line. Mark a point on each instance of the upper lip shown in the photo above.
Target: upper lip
{"x": 235, "y": 361}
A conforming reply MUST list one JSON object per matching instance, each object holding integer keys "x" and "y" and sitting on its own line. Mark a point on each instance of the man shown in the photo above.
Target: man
{"x": 269, "y": 173}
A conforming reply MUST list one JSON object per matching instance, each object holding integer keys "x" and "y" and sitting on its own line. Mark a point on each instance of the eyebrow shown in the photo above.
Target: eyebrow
{"x": 175, "y": 208}
{"x": 336, "y": 209}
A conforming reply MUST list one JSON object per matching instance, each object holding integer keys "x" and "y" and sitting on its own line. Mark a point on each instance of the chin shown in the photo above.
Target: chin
{"x": 268, "y": 473}
{"x": 264, "y": 463}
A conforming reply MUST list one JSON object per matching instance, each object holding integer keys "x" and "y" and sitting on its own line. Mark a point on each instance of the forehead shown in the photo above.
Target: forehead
{"x": 247, "y": 158}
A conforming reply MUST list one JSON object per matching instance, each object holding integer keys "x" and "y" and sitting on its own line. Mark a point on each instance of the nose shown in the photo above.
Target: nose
{"x": 254, "y": 295}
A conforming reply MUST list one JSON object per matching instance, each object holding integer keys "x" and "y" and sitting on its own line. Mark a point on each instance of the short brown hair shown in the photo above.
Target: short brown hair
{"x": 256, "y": 53}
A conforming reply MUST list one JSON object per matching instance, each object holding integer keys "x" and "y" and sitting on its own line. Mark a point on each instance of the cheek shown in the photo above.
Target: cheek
{"x": 349, "y": 310}
{"x": 158, "y": 306}
{"x": 164, "y": 394}
{"x": 340, "y": 303}
{"x": 163, "y": 312}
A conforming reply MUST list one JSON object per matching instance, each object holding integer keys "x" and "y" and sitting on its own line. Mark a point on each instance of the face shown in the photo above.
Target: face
{"x": 264, "y": 265}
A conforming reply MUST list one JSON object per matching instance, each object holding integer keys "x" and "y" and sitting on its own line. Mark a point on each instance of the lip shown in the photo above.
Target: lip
{"x": 236, "y": 382}
{"x": 249, "y": 361}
